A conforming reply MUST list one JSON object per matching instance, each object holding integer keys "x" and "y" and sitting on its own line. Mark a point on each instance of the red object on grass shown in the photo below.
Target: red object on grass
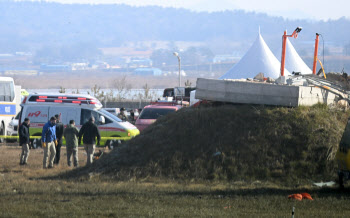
{"x": 301, "y": 196}
{"x": 306, "y": 196}
{"x": 298, "y": 197}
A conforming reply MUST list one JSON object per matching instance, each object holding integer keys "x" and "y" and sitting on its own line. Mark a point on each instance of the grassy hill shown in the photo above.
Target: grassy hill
{"x": 232, "y": 143}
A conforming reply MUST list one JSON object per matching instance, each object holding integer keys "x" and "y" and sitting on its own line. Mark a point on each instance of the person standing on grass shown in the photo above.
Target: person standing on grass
{"x": 90, "y": 131}
{"x": 59, "y": 134}
{"x": 71, "y": 134}
{"x": 24, "y": 141}
{"x": 49, "y": 142}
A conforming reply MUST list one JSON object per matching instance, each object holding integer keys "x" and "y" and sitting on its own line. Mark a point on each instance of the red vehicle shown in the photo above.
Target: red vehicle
{"x": 151, "y": 113}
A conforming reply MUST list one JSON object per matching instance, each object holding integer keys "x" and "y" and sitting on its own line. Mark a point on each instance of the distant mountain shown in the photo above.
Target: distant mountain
{"x": 31, "y": 25}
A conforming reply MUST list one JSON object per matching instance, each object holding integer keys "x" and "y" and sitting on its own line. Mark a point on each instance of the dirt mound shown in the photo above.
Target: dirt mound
{"x": 232, "y": 143}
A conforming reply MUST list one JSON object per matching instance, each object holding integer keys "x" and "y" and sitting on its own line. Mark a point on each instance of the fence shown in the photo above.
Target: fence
{"x": 127, "y": 104}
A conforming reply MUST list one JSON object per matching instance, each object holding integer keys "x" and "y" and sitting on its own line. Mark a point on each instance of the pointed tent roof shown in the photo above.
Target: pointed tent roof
{"x": 294, "y": 61}
{"x": 258, "y": 59}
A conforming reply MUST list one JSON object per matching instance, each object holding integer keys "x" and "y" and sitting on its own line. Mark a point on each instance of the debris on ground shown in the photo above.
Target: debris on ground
{"x": 98, "y": 155}
{"x": 300, "y": 196}
{"x": 321, "y": 184}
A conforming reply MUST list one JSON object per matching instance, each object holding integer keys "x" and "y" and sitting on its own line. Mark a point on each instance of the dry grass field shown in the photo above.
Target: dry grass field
{"x": 30, "y": 191}
{"x": 86, "y": 80}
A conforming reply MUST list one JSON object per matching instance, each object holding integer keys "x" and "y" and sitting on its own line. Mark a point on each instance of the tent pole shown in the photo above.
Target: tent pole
{"x": 284, "y": 44}
{"x": 315, "y": 54}
{"x": 283, "y": 58}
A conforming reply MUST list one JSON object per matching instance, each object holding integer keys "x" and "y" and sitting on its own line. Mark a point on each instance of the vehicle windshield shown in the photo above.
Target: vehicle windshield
{"x": 7, "y": 91}
{"x": 110, "y": 115}
{"x": 154, "y": 113}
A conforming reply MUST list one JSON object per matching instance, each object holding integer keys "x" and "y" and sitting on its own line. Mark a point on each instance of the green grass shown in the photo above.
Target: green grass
{"x": 27, "y": 192}
{"x": 50, "y": 198}
{"x": 266, "y": 154}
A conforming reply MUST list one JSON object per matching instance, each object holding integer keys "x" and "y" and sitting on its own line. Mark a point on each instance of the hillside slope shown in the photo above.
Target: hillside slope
{"x": 48, "y": 23}
{"x": 241, "y": 142}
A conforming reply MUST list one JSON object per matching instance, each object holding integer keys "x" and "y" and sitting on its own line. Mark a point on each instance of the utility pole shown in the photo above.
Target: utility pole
{"x": 179, "y": 60}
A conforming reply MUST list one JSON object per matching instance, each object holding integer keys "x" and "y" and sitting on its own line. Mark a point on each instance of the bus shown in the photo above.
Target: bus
{"x": 7, "y": 103}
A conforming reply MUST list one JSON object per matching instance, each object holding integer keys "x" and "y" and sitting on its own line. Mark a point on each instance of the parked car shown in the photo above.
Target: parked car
{"x": 128, "y": 112}
{"x": 12, "y": 128}
{"x": 151, "y": 113}
{"x": 114, "y": 111}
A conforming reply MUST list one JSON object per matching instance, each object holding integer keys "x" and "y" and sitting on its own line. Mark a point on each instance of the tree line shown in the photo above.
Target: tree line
{"x": 34, "y": 25}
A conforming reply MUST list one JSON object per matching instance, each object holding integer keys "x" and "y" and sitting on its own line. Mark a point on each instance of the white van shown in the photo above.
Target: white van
{"x": 40, "y": 107}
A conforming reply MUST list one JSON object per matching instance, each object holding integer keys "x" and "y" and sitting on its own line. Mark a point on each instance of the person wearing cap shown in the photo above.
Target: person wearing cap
{"x": 59, "y": 134}
{"x": 122, "y": 114}
{"x": 24, "y": 141}
{"x": 71, "y": 134}
{"x": 49, "y": 142}
{"x": 90, "y": 131}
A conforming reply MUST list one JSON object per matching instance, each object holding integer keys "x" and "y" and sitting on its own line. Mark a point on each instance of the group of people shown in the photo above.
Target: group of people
{"x": 52, "y": 134}
{"x": 123, "y": 116}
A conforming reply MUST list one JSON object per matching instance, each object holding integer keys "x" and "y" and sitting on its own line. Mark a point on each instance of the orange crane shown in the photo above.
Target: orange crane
{"x": 316, "y": 58}
{"x": 315, "y": 54}
{"x": 284, "y": 44}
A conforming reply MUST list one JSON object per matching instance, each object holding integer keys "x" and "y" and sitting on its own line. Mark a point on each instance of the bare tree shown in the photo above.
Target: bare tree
{"x": 188, "y": 83}
{"x": 102, "y": 96}
{"x": 76, "y": 92}
{"x": 146, "y": 89}
{"x": 122, "y": 87}
{"x": 62, "y": 90}
{"x": 147, "y": 94}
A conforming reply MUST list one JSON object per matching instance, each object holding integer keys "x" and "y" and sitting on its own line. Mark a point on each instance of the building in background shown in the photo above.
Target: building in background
{"x": 55, "y": 68}
{"x": 148, "y": 72}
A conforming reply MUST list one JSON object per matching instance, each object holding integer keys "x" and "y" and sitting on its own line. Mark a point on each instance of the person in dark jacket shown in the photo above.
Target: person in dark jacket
{"x": 49, "y": 142}
{"x": 90, "y": 131}
{"x": 71, "y": 134}
{"x": 122, "y": 114}
{"x": 24, "y": 141}
{"x": 59, "y": 134}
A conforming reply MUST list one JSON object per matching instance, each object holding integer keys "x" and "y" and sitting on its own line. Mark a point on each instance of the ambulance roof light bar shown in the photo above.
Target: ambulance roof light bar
{"x": 63, "y": 99}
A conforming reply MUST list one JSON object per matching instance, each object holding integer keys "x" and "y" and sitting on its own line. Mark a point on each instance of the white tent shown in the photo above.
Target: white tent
{"x": 294, "y": 61}
{"x": 258, "y": 59}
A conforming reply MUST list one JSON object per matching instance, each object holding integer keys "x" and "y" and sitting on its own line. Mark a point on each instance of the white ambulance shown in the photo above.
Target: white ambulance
{"x": 40, "y": 107}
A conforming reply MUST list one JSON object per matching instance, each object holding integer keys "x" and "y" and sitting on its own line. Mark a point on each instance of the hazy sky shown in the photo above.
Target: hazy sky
{"x": 310, "y": 9}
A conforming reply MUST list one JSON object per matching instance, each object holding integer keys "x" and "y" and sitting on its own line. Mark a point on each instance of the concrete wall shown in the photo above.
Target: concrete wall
{"x": 312, "y": 95}
{"x": 260, "y": 93}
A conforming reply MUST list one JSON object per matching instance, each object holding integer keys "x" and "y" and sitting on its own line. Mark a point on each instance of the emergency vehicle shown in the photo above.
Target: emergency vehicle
{"x": 40, "y": 107}
{"x": 8, "y": 99}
